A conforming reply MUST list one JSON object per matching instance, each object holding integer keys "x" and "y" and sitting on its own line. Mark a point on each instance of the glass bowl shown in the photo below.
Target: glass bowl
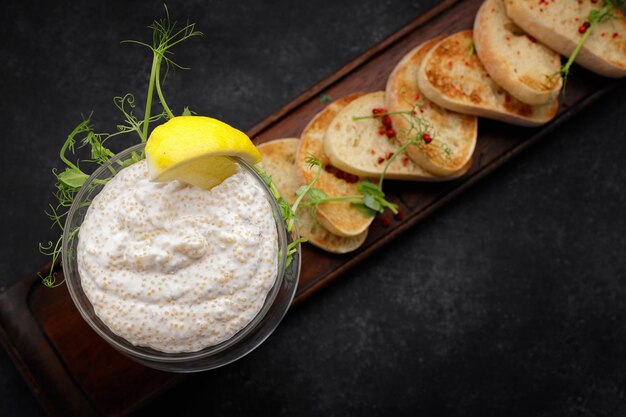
{"x": 247, "y": 339}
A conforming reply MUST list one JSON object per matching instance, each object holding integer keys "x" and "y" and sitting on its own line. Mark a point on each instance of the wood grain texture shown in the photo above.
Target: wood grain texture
{"x": 72, "y": 371}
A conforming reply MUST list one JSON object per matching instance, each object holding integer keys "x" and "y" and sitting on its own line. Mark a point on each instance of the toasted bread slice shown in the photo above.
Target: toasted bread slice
{"x": 556, "y": 25}
{"x": 279, "y": 161}
{"x": 452, "y": 76}
{"x": 355, "y": 145}
{"x": 525, "y": 68}
{"x": 455, "y": 131}
{"x": 337, "y": 217}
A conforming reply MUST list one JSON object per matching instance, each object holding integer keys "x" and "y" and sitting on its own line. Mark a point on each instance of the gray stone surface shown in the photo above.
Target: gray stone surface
{"x": 508, "y": 302}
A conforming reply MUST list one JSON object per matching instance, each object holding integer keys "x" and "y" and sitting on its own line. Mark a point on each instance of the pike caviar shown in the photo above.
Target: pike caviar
{"x": 174, "y": 267}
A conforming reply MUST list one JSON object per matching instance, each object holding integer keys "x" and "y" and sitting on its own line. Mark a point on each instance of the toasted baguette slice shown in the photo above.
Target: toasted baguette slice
{"x": 455, "y": 131}
{"x": 452, "y": 76}
{"x": 357, "y": 146}
{"x": 556, "y": 25}
{"x": 337, "y": 217}
{"x": 525, "y": 68}
{"x": 279, "y": 161}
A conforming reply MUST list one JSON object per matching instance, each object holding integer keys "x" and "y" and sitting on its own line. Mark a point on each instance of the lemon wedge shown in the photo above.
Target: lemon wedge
{"x": 197, "y": 150}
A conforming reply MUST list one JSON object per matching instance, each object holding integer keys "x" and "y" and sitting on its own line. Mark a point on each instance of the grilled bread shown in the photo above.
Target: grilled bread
{"x": 454, "y": 131}
{"x": 361, "y": 146}
{"x": 337, "y": 217}
{"x": 557, "y": 24}
{"x": 525, "y": 68}
{"x": 279, "y": 161}
{"x": 452, "y": 76}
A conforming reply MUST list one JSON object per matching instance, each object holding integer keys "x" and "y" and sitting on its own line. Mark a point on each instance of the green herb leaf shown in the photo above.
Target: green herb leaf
{"x": 371, "y": 202}
{"x": 99, "y": 153}
{"x": 368, "y": 187}
{"x": 285, "y": 210}
{"x": 312, "y": 193}
{"x": 301, "y": 190}
{"x": 292, "y": 249}
{"x": 366, "y": 211}
{"x": 325, "y": 98}
{"x": 471, "y": 49}
{"x": 314, "y": 161}
{"x": 264, "y": 176}
{"x": 72, "y": 177}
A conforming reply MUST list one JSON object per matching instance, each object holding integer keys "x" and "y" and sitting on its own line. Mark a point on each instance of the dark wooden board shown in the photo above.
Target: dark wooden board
{"x": 73, "y": 372}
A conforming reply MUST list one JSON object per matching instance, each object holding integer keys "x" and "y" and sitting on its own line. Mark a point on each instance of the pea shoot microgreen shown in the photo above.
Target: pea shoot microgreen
{"x": 325, "y": 98}
{"x": 165, "y": 35}
{"x": 471, "y": 49}
{"x": 609, "y": 11}
{"x": 287, "y": 212}
{"x": 371, "y": 199}
{"x": 369, "y": 202}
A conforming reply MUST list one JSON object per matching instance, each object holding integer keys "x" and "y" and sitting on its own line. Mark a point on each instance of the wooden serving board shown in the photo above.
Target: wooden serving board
{"x": 74, "y": 372}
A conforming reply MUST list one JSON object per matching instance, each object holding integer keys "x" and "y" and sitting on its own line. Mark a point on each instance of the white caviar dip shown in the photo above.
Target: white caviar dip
{"x": 174, "y": 267}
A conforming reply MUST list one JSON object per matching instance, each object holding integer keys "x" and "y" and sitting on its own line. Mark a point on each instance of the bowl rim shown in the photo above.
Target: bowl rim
{"x": 150, "y": 355}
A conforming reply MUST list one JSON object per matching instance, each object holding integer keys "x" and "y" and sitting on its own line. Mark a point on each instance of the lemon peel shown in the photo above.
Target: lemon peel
{"x": 197, "y": 150}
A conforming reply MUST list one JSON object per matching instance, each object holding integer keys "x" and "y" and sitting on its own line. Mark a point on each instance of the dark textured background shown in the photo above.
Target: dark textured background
{"x": 511, "y": 301}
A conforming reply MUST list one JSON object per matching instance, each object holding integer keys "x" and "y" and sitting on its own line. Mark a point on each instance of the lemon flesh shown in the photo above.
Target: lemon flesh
{"x": 197, "y": 150}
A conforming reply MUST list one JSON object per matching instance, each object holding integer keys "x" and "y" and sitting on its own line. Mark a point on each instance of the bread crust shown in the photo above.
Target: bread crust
{"x": 455, "y": 130}
{"x": 279, "y": 161}
{"x": 337, "y": 217}
{"x": 455, "y": 79}
{"x": 556, "y": 25}
{"x": 525, "y": 68}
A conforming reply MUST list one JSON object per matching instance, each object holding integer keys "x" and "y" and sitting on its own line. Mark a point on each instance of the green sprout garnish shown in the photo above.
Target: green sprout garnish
{"x": 325, "y": 98}
{"x": 165, "y": 35}
{"x": 369, "y": 202}
{"x": 471, "y": 49}
{"x": 287, "y": 212}
{"x": 609, "y": 11}
{"x": 371, "y": 199}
